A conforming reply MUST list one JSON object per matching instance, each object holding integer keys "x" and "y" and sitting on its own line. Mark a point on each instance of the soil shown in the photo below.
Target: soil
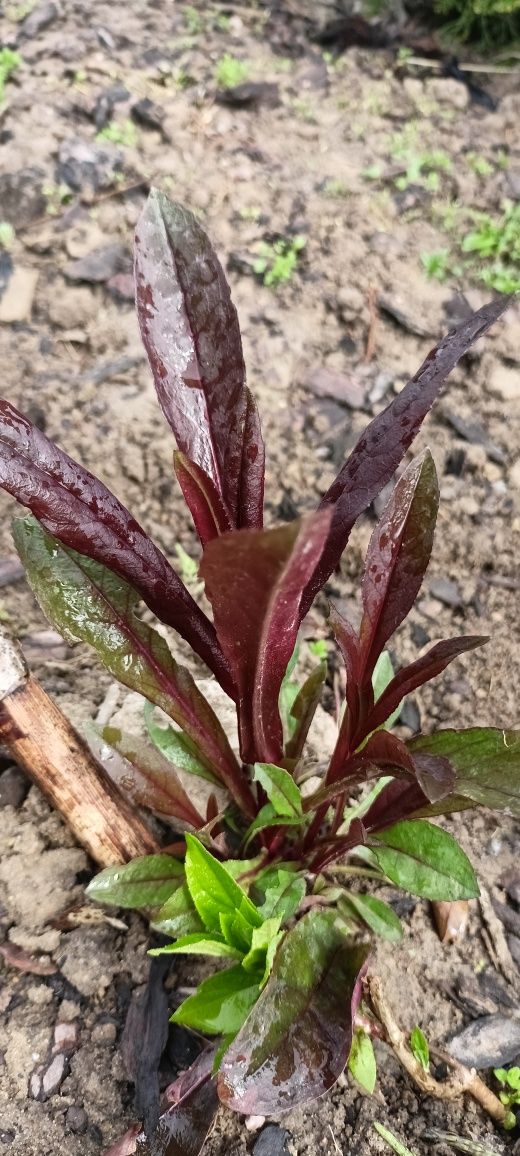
{"x": 358, "y": 305}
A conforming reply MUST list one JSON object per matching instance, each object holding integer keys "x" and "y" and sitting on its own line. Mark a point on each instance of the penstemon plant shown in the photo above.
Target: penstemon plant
{"x": 269, "y": 882}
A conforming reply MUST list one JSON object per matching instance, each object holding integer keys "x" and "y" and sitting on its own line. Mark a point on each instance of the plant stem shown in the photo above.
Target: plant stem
{"x": 461, "y": 1080}
{"x": 362, "y": 872}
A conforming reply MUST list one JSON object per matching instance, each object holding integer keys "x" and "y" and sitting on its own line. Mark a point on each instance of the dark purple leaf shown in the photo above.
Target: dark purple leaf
{"x": 397, "y": 557}
{"x": 143, "y": 774}
{"x": 183, "y": 1128}
{"x": 435, "y": 775}
{"x": 254, "y": 580}
{"x": 333, "y": 850}
{"x": 348, "y": 643}
{"x": 251, "y": 489}
{"x": 419, "y": 672}
{"x": 303, "y": 710}
{"x": 296, "y": 1040}
{"x": 200, "y": 493}
{"x": 383, "y": 444}
{"x": 406, "y": 800}
{"x": 83, "y": 514}
{"x": 190, "y": 331}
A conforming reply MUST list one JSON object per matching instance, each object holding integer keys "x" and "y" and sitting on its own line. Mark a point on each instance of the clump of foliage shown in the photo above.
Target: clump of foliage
{"x": 9, "y": 62}
{"x": 484, "y": 248}
{"x": 490, "y": 24}
{"x": 277, "y": 262}
{"x": 230, "y": 71}
{"x": 265, "y": 875}
{"x": 509, "y": 1079}
{"x": 122, "y": 133}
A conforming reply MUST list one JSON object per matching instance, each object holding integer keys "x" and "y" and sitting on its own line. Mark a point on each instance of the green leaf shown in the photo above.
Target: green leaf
{"x": 221, "y": 1003}
{"x": 280, "y": 788}
{"x": 425, "y": 860}
{"x": 362, "y": 1061}
{"x": 236, "y": 930}
{"x": 267, "y": 817}
{"x": 486, "y": 761}
{"x": 288, "y": 693}
{"x": 381, "y": 678}
{"x": 375, "y": 913}
{"x": 420, "y": 1048}
{"x": 282, "y": 894}
{"x": 213, "y": 889}
{"x": 197, "y": 944}
{"x": 300, "y": 1030}
{"x": 178, "y": 915}
{"x": 262, "y": 939}
{"x": 145, "y": 882}
{"x": 176, "y": 747}
{"x": 88, "y": 603}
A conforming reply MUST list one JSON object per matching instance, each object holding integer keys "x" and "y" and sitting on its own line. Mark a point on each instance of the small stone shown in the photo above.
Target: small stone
{"x": 76, "y": 1119}
{"x": 448, "y": 91}
{"x": 505, "y": 382}
{"x": 446, "y": 591}
{"x": 489, "y": 1042}
{"x": 101, "y": 264}
{"x": 38, "y": 20}
{"x": 46, "y": 1081}
{"x": 83, "y": 164}
{"x": 14, "y": 787}
{"x": 68, "y": 1011}
{"x": 66, "y": 1037}
{"x": 104, "y": 1034}
{"x": 342, "y": 387}
{"x": 272, "y": 1141}
{"x": 7, "y": 1137}
{"x": 514, "y": 475}
{"x": 39, "y": 994}
{"x": 21, "y": 196}
{"x": 16, "y": 302}
{"x": 72, "y": 306}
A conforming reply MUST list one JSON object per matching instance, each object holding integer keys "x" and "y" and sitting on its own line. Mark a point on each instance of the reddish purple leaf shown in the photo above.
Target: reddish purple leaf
{"x": 411, "y": 677}
{"x": 190, "y": 331}
{"x": 383, "y": 444}
{"x": 398, "y": 800}
{"x": 254, "y": 580}
{"x": 207, "y": 509}
{"x": 296, "y": 1040}
{"x": 143, "y": 774}
{"x": 182, "y": 1130}
{"x": 397, "y": 557}
{"x": 83, "y": 514}
{"x": 435, "y": 775}
{"x": 333, "y": 850}
{"x": 251, "y": 489}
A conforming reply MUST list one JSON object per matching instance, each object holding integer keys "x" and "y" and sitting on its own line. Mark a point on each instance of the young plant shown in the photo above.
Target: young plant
{"x": 276, "y": 263}
{"x": 264, "y": 876}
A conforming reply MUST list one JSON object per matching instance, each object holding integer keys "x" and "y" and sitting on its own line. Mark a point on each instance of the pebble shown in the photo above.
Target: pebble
{"x": 74, "y": 306}
{"x": 45, "y": 1082}
{"x": 66, "y": 1037}
{"x": 489, "y": 1042}
{"x": 40, "y": 994}
{"x": 83, "y": 164}
{"x": 21, "y": 196}
{"x": 76, "y": 1119}
{"x": 40, "y": 18}
{"x": 17, "y": 300}
{"x": 272, "y": 1141}
{"x": 14, "y": 787}
{"x": 68, "y": 1011}
{"x": 446, "y": 591}
{"x": 104, "y": 1034}
{"x": 101, "y": 264}
{"x": 342, "y": 387}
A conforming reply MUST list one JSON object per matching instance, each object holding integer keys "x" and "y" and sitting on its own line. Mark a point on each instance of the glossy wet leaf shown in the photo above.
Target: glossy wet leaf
{"x": 377, "y": 915}
{"x": 213, "y": 889}
{"x": 397, "y": 557}
{"x": 282, "y": 894}
{"x": 420, "y": 1048}
{"x": 143, "y": 774}
{"x": 383, "y": 444}
{"x": 221, "y": 1003}
{"x": 424, "y": 859}
{"x": 203, "y": 499}
{"x": 198, "y": 943}
{"x": 268, "y": 817}
{"x": 254, "y": 581}
{"x": 191, "y": 334}
{"x": 486, "y": 762}
{"x": 280, "y": 788}
{"x": 81, "y": 512}
{"x": 417, "y": 673}
{"x": 264, "y": 942}
{"x": 88, "y": 603}
{"x": 296, "y": 1041}
{"x": 183, "y": 1128}
{"x": 362, "y": 1061}
{"x": 178, "y": 915}
{"x": 145, "y": 882}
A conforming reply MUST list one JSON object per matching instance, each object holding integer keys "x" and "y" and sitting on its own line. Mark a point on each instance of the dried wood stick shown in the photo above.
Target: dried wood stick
{"x": 43, "y": 742}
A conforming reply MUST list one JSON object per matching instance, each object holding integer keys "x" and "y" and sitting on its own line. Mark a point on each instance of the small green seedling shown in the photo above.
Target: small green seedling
{"x": 123, "y": 133}
{"x": 230, "y": 71}
{"x": 9, "y": 62}
{"x": 510, "y": 1080}
{"x": 6, "y": 235}
{"x": 396, "y": 1145}
{"x": 362, "y": 1061}
{"x": 276, "y": 263}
